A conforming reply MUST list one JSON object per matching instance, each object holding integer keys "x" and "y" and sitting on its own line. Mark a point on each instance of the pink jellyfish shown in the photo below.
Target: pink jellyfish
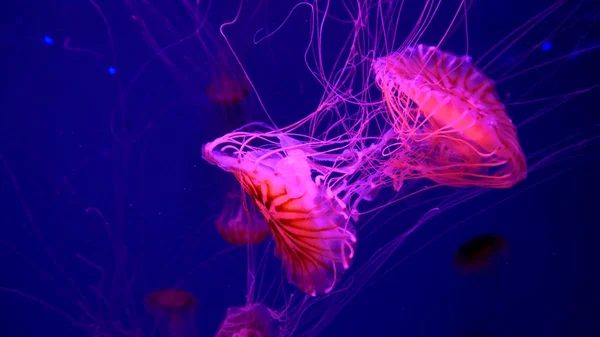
{"x": 229, "y": 89}
{"x": 450, "y": 118}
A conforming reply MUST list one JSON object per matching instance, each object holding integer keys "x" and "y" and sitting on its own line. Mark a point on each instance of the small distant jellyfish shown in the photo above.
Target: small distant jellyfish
{"x": 253, "y": 320}
{"x": 228, "y": 89}
{"x": 173, "y": 312}
{"x": 239, "y": 223}
{"x": 481, "y": 253}
{"x": 450, "y": 118}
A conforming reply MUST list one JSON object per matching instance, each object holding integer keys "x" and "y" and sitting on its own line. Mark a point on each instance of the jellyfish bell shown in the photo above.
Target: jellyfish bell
{"x": 204, "y": 71}
{"x": 451, "y": 111}
{"x": 229, "y": 89}
{"x": 313, "y": 233}
{"x": 173, "y": 312}
{"x": 239, "y": 224}
{"x": 171, "y": 299}
{"x": 481, "y": 253}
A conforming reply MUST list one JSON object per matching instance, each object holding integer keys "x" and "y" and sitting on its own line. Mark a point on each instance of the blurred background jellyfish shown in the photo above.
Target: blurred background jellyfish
{"x": 239, "y": 223}
{"x": 228, "y": 89}
{"x": 253, "y": 320}
{"x": 481, "y": 253}
{"x": 173, "y": 312}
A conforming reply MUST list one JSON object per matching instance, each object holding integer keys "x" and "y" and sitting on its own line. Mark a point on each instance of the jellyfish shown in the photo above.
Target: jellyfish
{"x": 228, "y": 89}
{"x": 480, "y": 253}
{"x": 252, "y": 320}
{"x": 173, "y": 312}
{"x": 317, "y": 238}
{"x": 313, "y": 233}
{"x": 239, "y": 224}
{"x": 450, "y": 120}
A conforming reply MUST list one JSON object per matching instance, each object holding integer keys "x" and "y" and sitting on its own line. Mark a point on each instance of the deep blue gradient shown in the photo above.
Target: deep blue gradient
{"x": 58, "y": 104}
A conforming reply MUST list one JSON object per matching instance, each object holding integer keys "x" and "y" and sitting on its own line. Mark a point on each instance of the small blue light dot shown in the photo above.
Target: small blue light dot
{"x": 546, "y": 46}
{"x": 48, "y": 40}
{"x": 19, "y": 20}
{"x": 112, "y": 70}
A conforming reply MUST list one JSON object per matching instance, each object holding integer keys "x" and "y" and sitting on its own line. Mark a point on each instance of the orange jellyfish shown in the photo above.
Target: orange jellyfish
{"x": 239, "y": 224}
{"x": 173, "y": 312}
{"x": 313, "y": 235}
{"x": 480, "y": 253}
{"x": 253, "y": 320}
{"x": 450, "y": 119}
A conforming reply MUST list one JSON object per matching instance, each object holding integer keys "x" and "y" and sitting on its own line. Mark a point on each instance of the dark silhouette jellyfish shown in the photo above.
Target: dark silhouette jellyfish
{"x": 451, "y": 117}
{"x": 173, "y": 312}
{"x": 252, "y": 320}
{"x": 240, "y": 223}
{"x": 481, "y": 253}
